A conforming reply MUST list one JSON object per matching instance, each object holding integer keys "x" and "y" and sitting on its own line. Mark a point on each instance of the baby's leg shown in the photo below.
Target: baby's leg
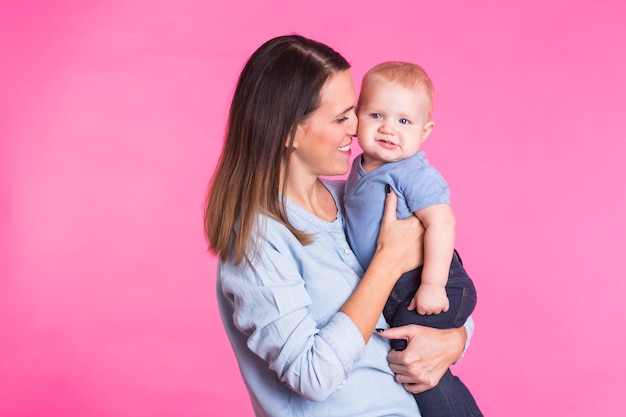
{"x": 459, "y": 289}
{"x": 450, "y": 397}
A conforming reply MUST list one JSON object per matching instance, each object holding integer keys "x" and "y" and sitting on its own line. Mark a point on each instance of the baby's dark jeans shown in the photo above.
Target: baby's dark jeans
{"x": 450, "y": 398}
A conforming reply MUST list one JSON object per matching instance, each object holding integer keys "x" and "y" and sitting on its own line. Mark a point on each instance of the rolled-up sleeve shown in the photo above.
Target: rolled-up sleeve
{"x": 469, "y": 329}
{"x": 272, "y": 308}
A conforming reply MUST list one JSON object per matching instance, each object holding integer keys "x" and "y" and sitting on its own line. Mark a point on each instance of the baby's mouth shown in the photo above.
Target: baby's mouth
{"x": 385, "y": 142}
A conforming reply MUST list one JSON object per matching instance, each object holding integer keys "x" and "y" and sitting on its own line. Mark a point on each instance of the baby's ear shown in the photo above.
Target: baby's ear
{"x": 428, "y": 127}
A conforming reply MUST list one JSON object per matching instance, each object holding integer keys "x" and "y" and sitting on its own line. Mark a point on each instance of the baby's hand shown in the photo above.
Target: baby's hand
{"x": 430, "y": 299}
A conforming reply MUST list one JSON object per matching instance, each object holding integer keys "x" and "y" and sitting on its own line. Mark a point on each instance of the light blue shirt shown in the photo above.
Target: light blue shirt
{"x": 298, "y": 355}
{"x": 416, "y": 183}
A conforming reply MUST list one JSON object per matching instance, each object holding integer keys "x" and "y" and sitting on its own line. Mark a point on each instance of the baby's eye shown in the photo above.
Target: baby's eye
{"x": 404, "y": 121}
{"x": 375, "y": 115}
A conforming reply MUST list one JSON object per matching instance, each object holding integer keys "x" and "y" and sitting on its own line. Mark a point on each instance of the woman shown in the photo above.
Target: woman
{"x": 298, "y": 308}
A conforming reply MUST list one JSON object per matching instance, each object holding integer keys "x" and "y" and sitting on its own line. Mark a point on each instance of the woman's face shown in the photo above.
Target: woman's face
{"x": 322, "y": 142}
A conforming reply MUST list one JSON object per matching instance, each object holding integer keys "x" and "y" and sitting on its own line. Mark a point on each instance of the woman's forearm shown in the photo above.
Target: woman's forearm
{"x": 368, "y": 299}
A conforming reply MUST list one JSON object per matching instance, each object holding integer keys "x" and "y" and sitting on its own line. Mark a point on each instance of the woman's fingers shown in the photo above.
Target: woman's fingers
{"x": 391, "y": 204}
{"x": 428, "y": 355}
{"x": 401, "y": 240}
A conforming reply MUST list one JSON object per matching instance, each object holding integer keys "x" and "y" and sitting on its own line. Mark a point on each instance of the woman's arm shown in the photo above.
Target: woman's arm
{"x": 398, "y": 250}
{"x": 279, "y": 313}
{"x": 428, "y": 355}
{"x": 284, "y": 323}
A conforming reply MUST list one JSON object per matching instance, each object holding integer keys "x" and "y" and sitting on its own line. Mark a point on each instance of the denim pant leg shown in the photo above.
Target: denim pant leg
{"x": 459, "y": 289}
{"x": 450, "y": 398}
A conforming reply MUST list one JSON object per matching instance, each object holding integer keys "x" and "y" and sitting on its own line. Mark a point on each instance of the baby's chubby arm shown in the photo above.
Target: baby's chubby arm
{"x": 440, "y": 223}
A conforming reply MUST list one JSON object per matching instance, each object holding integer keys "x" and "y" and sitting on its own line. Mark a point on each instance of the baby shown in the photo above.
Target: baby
{"x": 394, "y": 112}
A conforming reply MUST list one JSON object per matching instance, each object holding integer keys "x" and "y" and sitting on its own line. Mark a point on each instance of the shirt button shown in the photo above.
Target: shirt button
{"x": 347, "y": 251}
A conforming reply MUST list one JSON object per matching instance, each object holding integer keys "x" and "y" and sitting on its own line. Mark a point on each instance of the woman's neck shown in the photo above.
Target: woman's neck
{"x": 312, "y": 196}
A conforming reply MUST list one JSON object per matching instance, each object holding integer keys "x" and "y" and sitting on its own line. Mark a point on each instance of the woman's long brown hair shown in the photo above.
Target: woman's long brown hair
{"x": 279, "y": 87}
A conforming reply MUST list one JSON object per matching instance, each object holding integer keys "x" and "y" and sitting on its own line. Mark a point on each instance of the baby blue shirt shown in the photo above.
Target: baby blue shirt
{"x": 416, "y": 183}
{"x": 298, "y": 355}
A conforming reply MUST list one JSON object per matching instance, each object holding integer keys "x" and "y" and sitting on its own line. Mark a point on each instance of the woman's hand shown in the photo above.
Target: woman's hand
{"x": 428, "y": 355}
{"x": 400, "y": 242}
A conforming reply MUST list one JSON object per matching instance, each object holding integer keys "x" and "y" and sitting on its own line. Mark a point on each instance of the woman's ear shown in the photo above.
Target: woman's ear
{"x": 428, "y": 127}
{"x": 300, "y": 133}
{"x": 292, "y": 140}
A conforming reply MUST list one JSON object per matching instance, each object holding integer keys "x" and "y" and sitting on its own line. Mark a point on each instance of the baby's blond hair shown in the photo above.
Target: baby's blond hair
{"x": 406, "y": 74}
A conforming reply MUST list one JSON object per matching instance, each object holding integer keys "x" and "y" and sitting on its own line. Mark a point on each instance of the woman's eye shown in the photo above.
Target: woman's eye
{"x": 343, "y": 119}
{"x": 404, "y": 121}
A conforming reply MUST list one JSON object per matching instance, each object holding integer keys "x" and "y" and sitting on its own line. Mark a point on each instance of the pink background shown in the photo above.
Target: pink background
{"x": 111, "y": 120}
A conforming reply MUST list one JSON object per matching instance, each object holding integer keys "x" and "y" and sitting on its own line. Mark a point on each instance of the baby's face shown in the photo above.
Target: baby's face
{"x": 393, "y": 122}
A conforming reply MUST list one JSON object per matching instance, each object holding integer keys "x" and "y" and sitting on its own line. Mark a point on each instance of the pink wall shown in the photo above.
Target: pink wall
{"x": 111, "y": 119}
